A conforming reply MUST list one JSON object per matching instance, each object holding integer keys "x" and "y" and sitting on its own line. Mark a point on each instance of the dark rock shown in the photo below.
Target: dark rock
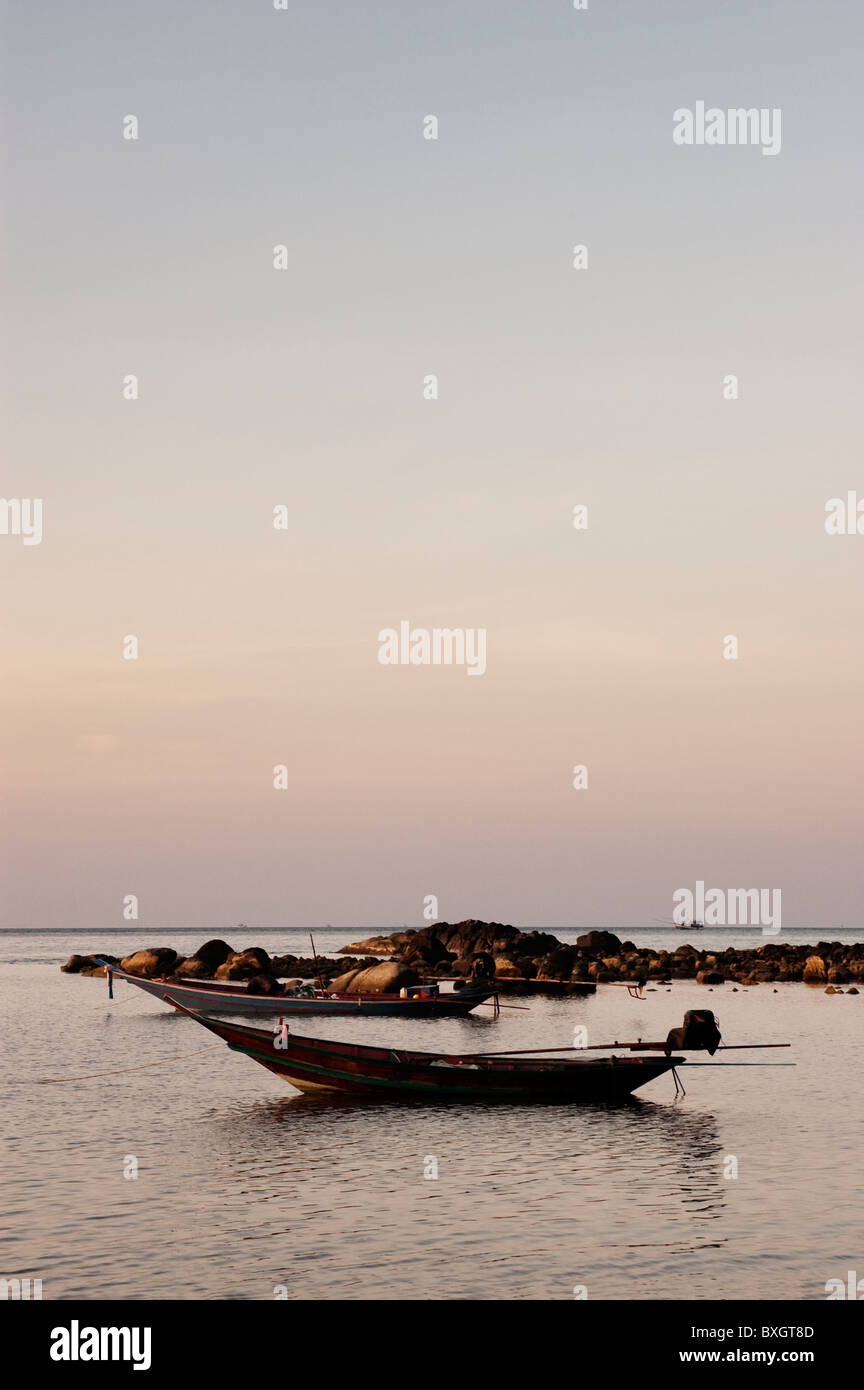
{"x": 206, "y": 960}
{"x": 506, "y": 968}
{"x": 598, "y": 943}
{"x": 150, "y": 963}
{"x": 839, "y": 975}
{"x": 87, "y": 965}
{"x": 425, "y": 946}
{"x": 242, "y": 965}
{"x": 558, "y": 965}
{"x": 263, "y": 984}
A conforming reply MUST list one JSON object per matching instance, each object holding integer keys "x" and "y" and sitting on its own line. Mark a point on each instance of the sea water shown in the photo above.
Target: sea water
{"x": 209, "y": 1178}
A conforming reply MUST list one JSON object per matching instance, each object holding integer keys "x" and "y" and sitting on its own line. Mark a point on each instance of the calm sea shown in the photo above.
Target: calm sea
{"x": 244, "y": 1187}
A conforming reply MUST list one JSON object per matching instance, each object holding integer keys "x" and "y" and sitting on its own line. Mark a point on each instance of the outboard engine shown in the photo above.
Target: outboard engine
{"x": 699, "y": 1033}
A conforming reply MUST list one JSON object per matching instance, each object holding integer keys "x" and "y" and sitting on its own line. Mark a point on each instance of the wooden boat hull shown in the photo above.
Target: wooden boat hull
{"x": 234, "y": 999}
{"x": 317, "y": 1064}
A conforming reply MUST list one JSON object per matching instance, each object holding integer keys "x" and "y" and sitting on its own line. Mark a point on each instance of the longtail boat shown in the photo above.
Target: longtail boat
{"x": 418, "y": 1001}
{"x": 317, "y": 1064}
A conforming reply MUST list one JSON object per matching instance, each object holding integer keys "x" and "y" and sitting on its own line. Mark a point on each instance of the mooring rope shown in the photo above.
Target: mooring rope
{"x": 90, "y": 1076}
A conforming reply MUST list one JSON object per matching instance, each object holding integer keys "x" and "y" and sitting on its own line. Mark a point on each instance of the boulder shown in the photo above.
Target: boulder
{"x": 386, "y": 978}
{"x": 87, "y": 965}
{"x": 151, "y": 962}
{"x": 598, "y": 943}
{"x": 558, "y": 965}
{"x": 292, "y": 965}
{"x": 814, "y": 969}
{"x": 459, "y": 940}
{"x": 506, "y": 968}
{"x": 710, "y": 977}
{"x": 206, "y": 960}
{"x": 839, "y": 975}
{"x": 424, "y": 946}
{"x": 242, "y": 965}
{"x": 377, "y": 945}
{"x": 263, "y": 984}
{"x": 341, "y": 982}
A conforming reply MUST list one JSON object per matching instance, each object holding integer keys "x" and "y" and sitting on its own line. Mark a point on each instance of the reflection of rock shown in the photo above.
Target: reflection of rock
{"x": 387, "y": 978}
{"x": 150, "y": 963}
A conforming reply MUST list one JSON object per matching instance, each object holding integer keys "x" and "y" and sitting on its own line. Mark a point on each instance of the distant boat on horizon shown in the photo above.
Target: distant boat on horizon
{"x": 680, "y": 926}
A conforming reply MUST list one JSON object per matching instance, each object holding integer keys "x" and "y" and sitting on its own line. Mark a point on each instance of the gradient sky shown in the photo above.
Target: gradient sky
{"x": 304, "y": 387}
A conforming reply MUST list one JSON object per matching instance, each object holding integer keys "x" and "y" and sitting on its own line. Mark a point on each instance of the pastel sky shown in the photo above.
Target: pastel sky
{"x": 304, "y": 387}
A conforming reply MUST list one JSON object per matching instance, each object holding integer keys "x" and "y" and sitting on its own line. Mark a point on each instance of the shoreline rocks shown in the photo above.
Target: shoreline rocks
{"x": 221, "y": 962}
{"x": 523, "y": 961}
{"x": 447, "y": 950}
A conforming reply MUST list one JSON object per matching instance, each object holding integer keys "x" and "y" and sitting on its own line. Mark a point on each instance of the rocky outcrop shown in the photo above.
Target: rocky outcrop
{"x": 317, "y": 967}
{"x": 388, "y": 977}
{"x": 425, "y": 948}
{"x": 242, "y": 965}
{"x": 814, "y": 970}
{"x": 599, "y": 943}
{"x": 600, "y": 957}
{"x": 206, "y": 960}
{"x": 151, "y": 962}
{"x": 559, "y": 963}
{"x": 87, "y": 965}
{"x": 530, "y": 960}
{"x": 379, "y": 945}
